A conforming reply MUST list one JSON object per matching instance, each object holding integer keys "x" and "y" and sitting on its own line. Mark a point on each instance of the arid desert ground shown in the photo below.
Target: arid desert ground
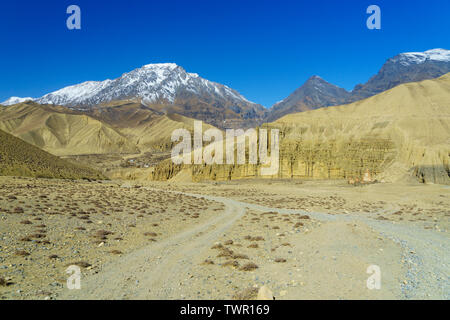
{"x": 238, "y": 151}
{"x": 223, "y": 240}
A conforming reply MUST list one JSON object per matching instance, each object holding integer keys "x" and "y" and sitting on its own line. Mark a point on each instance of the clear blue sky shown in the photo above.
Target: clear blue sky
{"x": 263, "y": 49}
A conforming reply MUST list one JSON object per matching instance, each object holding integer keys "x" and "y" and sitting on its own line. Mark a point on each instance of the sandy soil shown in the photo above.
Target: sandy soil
{"x": 304, "y": 240}
{"x": 47, "y": 225}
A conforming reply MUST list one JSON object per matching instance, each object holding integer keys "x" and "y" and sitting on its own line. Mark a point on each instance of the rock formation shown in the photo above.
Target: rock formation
{"x": 401, "y": 132}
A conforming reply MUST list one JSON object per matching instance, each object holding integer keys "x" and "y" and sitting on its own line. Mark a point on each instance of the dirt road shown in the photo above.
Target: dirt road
{"x": 155, "y": 271}
{"x": 150, "y": 273}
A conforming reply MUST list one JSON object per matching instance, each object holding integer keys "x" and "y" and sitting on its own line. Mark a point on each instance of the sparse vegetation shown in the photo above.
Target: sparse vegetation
{"x": 3, "y": 282}
{"x": 21, "y": 253}
{"x": 81, "y": 264}
{"x": 231, "y": 263}
{"x": 249, "y": 267}
{"x": 246, "y": 294}
{"x": 18, "y": 158}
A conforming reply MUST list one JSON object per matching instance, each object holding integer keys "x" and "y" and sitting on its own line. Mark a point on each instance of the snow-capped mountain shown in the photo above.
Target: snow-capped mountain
{"x": 405, "y": 67}
{"x": 153, "y": 83}
{"x": 15, "y": 100}
{"x": 409, "y": 58}
{"x": 169, "y": 87}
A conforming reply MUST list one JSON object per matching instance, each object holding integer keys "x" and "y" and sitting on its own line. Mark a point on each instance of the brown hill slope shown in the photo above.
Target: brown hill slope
{"x": 401, "y": 132}
{"x": 144, "y": 127}
{"x": 119, "y": 127}
{"x": 62, "y": 131}
{"x": 18, "y": 158}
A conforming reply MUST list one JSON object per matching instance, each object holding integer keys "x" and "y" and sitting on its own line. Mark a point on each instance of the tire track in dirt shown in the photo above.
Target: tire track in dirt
{"x": 425, "y": 251}
{"x": 154, "y": 271}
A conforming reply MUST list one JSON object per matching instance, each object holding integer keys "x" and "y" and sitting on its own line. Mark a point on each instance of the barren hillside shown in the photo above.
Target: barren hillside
{"x": 18, "y": 158}
{"x": 399, "y": 133}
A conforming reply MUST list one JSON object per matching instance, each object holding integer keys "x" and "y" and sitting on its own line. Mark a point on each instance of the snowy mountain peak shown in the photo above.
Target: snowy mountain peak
{"x": 15, "y": 100}
{"x": 161, "y": 66}
{"x": 410, "y": 58}
{"x": 315, "y": 78}
{"x": 319, "y": 83}
{"x": 151, "y": 83}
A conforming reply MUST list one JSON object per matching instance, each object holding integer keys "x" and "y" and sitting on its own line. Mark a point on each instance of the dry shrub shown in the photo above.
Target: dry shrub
{"x": 18, "y": 210}
{"x": 3, "y": 282}
{"x": 38, "y": 235}
{"x": 21, "y": 253}
{"x": 101, "y": 233}
{"x": 249, "y": 267}
{"x": 253, "y": 246}
{"x": 246, "y": 294}
{"x": 207, "y": 261}
{"x": 116, "y": 252}
{"x": 240, "y": 256}
{"x": 225, "y": 252}
{"x": 280, "y": 260}
{"x": 231, "y": 263}
{"x": 81, "y": 264}
{"x": 258, "y": 238}
{"x": 150, "y": 234}
{"x": 228, "y": 242}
